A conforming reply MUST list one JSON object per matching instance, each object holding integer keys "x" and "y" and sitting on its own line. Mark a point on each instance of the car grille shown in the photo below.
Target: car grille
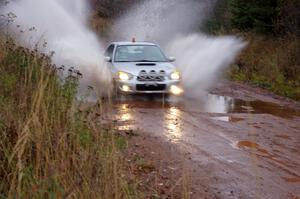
{"x": 151, "y": 76}
{"x": 145, "y": 87}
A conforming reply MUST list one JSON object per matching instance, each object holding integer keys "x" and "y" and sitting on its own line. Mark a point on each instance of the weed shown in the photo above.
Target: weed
{"x": 48, "y": 148}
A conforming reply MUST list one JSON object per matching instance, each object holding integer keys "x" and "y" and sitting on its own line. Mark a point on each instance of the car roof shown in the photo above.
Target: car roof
{"x": 123, "y": 43}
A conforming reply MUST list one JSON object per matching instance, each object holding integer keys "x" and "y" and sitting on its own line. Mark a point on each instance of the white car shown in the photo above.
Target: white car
{"x": 139, "y": 67}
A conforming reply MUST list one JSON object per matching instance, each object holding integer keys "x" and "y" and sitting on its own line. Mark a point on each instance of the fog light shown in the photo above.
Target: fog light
{"x": 176, "y": 90}
{"x": 125, "y": 88}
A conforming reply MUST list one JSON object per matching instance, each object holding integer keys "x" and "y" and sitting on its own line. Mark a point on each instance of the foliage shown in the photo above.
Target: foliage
{"x": 254, "y": 15}
{"x": 271, "y": 28}
{"x": 49, "y": 146}
{"x": 288, "y": 21}
{"x": 271, "y": 64}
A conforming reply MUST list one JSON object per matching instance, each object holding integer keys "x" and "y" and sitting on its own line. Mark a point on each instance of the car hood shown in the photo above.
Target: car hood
{"x": 134, "y": 68}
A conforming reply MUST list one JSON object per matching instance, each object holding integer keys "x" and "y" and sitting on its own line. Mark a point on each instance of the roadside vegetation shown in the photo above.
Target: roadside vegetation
{"x": 270, "y": 63}
{"x": 54, "y": 146}
{"x": 272, "y": 29}
{"x": 50, "y": 145}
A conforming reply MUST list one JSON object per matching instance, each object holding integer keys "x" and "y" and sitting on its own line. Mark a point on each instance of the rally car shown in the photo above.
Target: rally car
{"x": 140, "y": 67}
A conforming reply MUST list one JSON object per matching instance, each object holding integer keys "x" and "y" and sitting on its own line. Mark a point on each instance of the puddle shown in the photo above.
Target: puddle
{"x": 166, "y": 113}
{"x": 247, "y": 144}
{"x": 217, "y": 104}
{"x": 173, "y": 124}
{"x": 260, "y": 107}
{"x": 125, "y": 118}
{"x": 221, "y": 104}
{"x": 223, "y": 118}
{"x": 145, "y": 102}
{"x": 260, "y": 152}
{"x": 227, "y": 105}
{"x": 208, "y": 104}
{"x": 291, "y": 180}
{"x": 286, "y": 137}
{"x": 228, "y": 119}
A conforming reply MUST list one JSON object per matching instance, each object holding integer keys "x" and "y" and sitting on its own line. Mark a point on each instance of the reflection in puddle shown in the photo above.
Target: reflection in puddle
{"x": 173, "y": 124}
{"x": 169, "y": 111}
{"x": 227, "y": 119}
{"x": 218, "y": 104}
{"x": 125, "y": 118}
{"x": 226, "y": 105}
{"x": 210, "y": 104}
{"x": 223, "y": 118}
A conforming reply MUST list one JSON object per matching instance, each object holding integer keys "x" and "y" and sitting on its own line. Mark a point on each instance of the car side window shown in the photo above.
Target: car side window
{"x": 110, "y": 50}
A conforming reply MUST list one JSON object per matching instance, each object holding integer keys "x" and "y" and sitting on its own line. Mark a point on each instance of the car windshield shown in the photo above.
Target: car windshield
{"x": 139, "y": 53}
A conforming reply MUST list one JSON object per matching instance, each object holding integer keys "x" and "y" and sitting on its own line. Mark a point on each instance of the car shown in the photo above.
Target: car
{"x": 142, "y": 67}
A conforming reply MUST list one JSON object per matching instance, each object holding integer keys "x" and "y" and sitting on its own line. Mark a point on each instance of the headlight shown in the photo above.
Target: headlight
{"x": 175, "y": 75}
{"x": 124, "y": 76}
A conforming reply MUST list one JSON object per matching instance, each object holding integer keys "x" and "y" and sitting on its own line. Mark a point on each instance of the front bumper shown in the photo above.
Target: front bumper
{"x": 149, "y": 87}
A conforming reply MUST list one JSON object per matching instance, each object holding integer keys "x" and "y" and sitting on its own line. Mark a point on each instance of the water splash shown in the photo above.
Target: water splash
{"x": 173, "y": 24}
{"x": 61, "y": 26}
{"x": 202, "y": 59}
{"x": 161, "y": 20}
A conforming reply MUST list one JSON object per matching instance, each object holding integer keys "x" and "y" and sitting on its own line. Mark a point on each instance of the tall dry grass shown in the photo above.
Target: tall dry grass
{"x": 50, "y": 148}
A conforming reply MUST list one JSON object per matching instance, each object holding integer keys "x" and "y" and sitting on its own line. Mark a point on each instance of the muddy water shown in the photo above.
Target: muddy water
{"x": 250, "y": 140}
{"x": 209, "y": 104}
{"x": 169, "y": 112}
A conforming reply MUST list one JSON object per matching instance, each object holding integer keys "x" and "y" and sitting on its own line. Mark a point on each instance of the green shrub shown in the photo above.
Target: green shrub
{"x": 270, "y": 63}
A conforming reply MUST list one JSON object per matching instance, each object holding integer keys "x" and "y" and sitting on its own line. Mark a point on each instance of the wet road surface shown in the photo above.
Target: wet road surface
{"x": 247, "y": 149}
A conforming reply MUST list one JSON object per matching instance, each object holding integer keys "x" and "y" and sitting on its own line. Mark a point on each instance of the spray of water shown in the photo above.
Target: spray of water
{"x": 202, "y": 59}
{"x": 173, "y": 25}
{"x": 61, "y": 26}
{"x": 161, "y": 20}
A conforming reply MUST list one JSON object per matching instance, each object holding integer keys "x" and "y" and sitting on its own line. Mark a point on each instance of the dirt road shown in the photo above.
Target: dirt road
{"x": 237, "y": 141}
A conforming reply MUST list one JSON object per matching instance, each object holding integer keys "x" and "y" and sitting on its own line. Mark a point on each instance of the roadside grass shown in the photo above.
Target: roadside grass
{"x": 270, "y": 63}
{"x": 49, "y": 147}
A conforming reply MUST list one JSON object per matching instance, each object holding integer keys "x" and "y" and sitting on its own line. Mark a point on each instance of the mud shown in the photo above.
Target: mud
{"x": 238, "y": 141}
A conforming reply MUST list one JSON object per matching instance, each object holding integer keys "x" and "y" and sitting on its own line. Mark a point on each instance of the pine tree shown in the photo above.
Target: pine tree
{"x": 257, "y": 15}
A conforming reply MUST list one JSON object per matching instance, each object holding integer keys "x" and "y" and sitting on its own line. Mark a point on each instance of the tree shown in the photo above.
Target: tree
{"x": 255, "y": 15}
{"x": 288, "y": 17}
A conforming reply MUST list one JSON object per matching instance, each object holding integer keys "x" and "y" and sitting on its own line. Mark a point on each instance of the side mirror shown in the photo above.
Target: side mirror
{"x": 107, "y": 59}
{"x": 172, "y": 59}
